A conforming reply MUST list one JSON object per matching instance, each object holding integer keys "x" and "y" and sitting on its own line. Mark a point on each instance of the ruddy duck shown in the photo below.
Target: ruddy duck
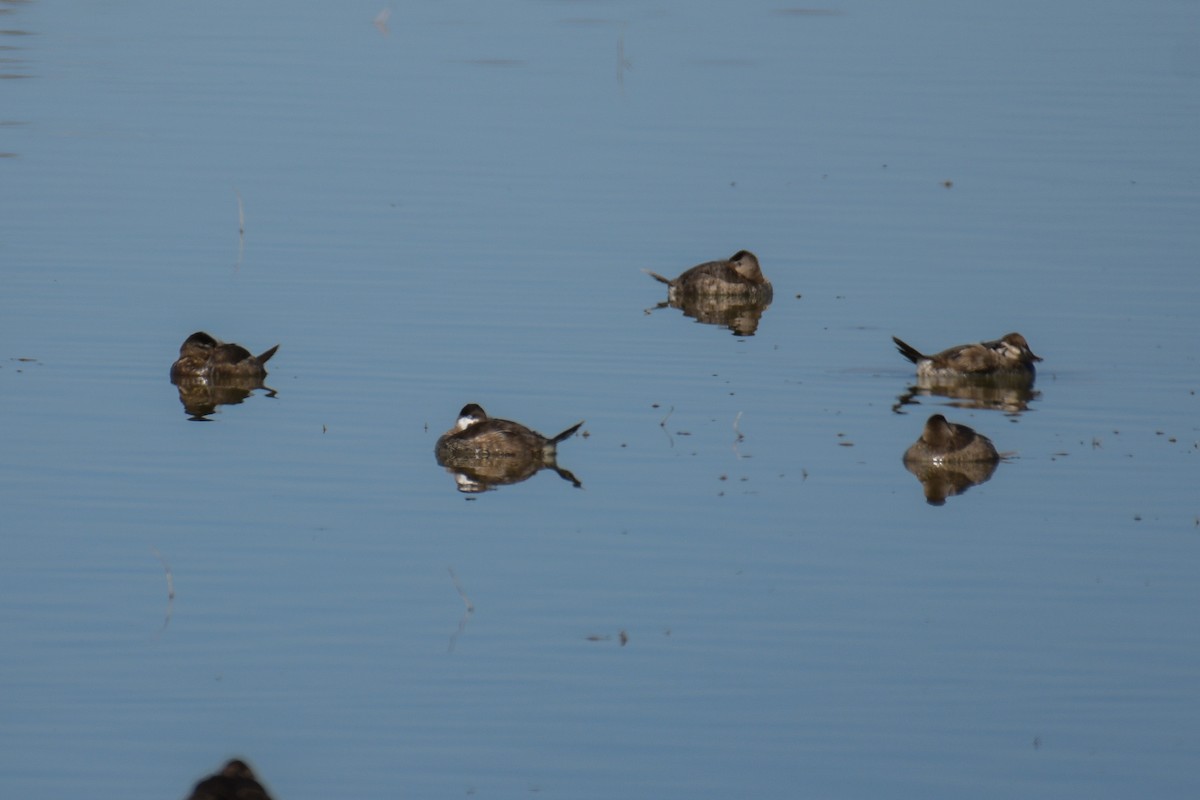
{"x": 944, "y": 442}
{"x": 206, "y": 359}
{"x": 740, "y": 276}
{"x": 1008, "y": 356}
{"x": 475, "y": 435}
{"x": 235, "y": 781}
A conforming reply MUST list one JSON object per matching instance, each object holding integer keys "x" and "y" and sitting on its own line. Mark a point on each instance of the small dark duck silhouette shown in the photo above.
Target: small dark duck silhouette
{"x": 235, "y": 781}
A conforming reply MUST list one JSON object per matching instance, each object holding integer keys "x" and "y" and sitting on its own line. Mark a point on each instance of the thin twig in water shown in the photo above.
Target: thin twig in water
{"x": 466, "y": 600}
{"x": 663, "y": 424}
{"x": 740, "y": 437}
{"x": 623, "y": 63}
{"x": 170, "y": 591}
{"x": 468, "y": 605}
{"x": 241, "y": 232}
{"x": 381, "y": 21}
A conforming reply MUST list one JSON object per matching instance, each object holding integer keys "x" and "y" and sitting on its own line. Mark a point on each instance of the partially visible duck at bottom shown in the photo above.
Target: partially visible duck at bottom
{"x": 484, "y": 452}
{"x": 1008, "y": 357}
{"x": 737, "y": 276}
{"x": 204, "y": 358}
{"x": 235, "y": 781}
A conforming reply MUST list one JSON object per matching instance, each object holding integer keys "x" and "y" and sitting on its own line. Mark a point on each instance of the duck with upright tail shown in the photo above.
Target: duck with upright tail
{"x": 483, "y": 452}
{"x": 1006, "y": 357}
{"x": 206, "y": 359}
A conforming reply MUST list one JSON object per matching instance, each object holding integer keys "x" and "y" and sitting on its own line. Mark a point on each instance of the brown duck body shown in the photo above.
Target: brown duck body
{"x": 1006, "y": 357}
{"x": 476, "y": 435}
{"x": 944, "y": 442}
{"x": 206, "y": 359}
{"x": 739, "y": 276}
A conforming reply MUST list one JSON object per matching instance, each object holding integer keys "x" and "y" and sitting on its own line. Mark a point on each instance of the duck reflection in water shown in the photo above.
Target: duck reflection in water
{"x": 998, "y": 394}
{"x": 483, "y": 453}
{"x": 209, "y": 373}
{"x": 235, "y": 781}
{"x": 733, "y": 293}
{"x": 950, "y": 458}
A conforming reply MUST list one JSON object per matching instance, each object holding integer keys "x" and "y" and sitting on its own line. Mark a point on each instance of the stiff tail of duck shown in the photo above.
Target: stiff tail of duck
{"x": 908, "y": 351}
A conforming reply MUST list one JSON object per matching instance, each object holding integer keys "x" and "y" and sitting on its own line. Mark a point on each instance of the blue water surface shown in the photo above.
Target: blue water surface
{"x": 749, "y": 596}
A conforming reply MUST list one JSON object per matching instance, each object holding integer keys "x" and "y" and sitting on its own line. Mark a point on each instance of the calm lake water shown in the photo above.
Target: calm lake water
{"x": 431, "y": 204}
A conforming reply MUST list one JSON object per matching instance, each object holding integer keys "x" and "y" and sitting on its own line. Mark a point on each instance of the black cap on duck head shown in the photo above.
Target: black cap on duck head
{"x": 471, "y": 414}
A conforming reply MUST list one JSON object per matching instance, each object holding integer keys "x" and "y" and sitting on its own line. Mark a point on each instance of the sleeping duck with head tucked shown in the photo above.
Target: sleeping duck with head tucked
{"x": 211, "y": 373}
{"x": 206, "y": 359}
{"x": 738, "y": 276}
